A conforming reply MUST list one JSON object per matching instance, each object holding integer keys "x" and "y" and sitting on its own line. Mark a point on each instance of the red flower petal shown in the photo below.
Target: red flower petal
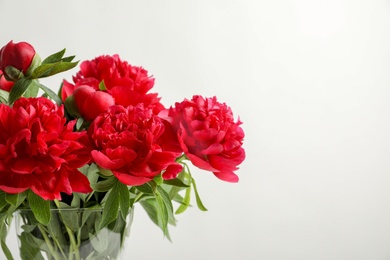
{"x": 103, "y": 161}
{"x": 172, "y": 171}
{"x": 198, "y": 162}
{"x": 131, "y": 179}
{"x": 228, "y": 176}
{"x": 79, "y": 182}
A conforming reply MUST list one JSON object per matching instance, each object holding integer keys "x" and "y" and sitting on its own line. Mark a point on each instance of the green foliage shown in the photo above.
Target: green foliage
{"x": 18, "y": 89}
{"x": 40, "y": 208}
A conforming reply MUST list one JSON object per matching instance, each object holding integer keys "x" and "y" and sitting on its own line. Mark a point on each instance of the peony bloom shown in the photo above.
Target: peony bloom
{"x": 39, "y": 151}
{"x": 134, "y": 144}
{"x": 208, "y": 135}
{"x": 5, "y": 84}
{"x": 126, "y": 84}
{"x": 18, "y": 55}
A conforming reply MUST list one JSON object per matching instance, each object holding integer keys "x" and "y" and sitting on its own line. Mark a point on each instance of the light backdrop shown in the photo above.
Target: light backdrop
{"x": 309, "y": 79}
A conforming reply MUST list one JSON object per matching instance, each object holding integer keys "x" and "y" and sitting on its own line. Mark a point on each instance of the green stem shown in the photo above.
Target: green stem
{"x": 181, "y": 158}
{"x": 74, "y": 245}
{"x": 48, "y": 242}
{"x": 139, "y": 195}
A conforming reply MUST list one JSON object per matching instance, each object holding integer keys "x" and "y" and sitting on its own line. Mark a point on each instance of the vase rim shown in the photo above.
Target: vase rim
{"x": 63, "y": 209}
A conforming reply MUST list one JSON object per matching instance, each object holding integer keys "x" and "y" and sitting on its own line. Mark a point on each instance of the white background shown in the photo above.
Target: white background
{"x": 309, "y": 79}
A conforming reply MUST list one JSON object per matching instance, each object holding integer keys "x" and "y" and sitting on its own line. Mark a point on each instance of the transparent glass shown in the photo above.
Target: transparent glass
{"x": 71, "y": 234}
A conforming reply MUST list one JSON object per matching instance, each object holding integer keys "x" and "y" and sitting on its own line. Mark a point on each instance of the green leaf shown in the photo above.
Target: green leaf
{"x": 51, "y": 94}
{"x": 176, "y": 182}
{"x": 68, "y": 59}
{"x": 103, "y": 186}
{"x": 71, "y": 107}
{"x": 162, "y": 215}
{"x": 69, "y": 217}
{"x": 3, "y": 236}
{"x": 145, "y": 188}
{"x": 185, "y": 202}
{"x": 30, "y": 247}
{"x": 12, "y": 74}
{"x": 79, "y": 123}
{"x": 198, "y": 200}
{"x": 49, "y": 69}
{"x": 92, "y": 173}
{"x": 75, "y": 200}
{"x": 111, "y": 207}
{"x": 32, "y": 90}
{"x": 54, "y": 228}
{"x": 102, "y": 86}
{"x": 18, "y": 89}
{"x": 54, "y": 57}
{"x": 168, "y": 204}
{"x": 105, "y": 172}
{"x": 12, "y": 198}
{"x": 3, "y": 201}
{"x": 158, "y": 179}
{"x": 124, "y": 198}
{"x": 4, "y": 95}
{"x": 6, "y": 250}
{"x": 40, "y": 208}
{"x": 15, "y": 199}
{"x": 149, "y": 206}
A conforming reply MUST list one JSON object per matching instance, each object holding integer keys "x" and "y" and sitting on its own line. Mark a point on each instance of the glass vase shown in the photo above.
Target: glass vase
{"x": 71, "y": 234}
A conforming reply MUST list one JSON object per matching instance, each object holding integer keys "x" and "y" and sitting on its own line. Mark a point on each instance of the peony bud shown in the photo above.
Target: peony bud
{"x": 90, "y": 103}
{"x": 17, "y": 57}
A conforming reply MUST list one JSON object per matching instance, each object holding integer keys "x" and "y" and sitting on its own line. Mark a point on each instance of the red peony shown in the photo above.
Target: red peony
{"x": 208, "y": 135}
{"x": 134, "y": 144}
{"x": 39, "y": 151}
{"x": 19, "y": 55}
{"x": 126, "y": 84}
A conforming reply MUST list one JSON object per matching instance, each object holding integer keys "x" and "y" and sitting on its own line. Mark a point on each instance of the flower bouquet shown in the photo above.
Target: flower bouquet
{"x": 74, "y": 163}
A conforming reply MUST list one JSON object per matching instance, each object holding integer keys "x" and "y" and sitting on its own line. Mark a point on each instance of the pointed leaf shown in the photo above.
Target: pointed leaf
{"x": 12, "y": 73}
{"x": 6, "y": 250}
{"x": 103, "y": 186}
{"x": 68, "y": 59}
{"x": 124, "y": 198}
{"x": 149, "y": 206}
{"x": 111, "y": 207}
{"x": 54, "y": 57}
{"x": 197, "y": 197}
{"x": 70, "y": 105}
{"x": 51, "y": 94}
{"x": 3, "y": 201}
{"x": 69, "y": 217}
{"x": 185, "y": 202}
{"x": 168, "y": 204}
{"x": 158, "y": 179}
{"x": 40, "y": 208}
{"x": 18, "y": 89}
{"x": 162, "y": 214}
{"x": 145, "y": 188}
{"x": 49, "y": 69}
{"x": 12, "y": 198}
{"x": 176, "y": 182}
{"x": 32, "y": 90}
{"x": 4, "y": 95}
{"x": 102, "y": 86}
